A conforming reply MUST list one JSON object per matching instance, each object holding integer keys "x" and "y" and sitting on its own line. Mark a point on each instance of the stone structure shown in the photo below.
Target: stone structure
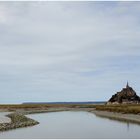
{"x": 126, "y": 95}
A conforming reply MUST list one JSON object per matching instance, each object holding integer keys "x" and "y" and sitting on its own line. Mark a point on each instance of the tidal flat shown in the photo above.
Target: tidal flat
{"x": 18, "y": 116}
{"x": 73, "y": 124}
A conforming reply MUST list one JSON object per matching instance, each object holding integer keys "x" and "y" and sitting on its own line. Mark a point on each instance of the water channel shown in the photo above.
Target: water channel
{"x": 72, "y": 124}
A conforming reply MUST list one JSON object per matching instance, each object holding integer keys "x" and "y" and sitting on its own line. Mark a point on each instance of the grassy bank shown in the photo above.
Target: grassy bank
{"x": 30, "y": 107}
{"x": 129, "y": 108}
{"x": 17, "y": 121}
{"x": 123, "y": 108}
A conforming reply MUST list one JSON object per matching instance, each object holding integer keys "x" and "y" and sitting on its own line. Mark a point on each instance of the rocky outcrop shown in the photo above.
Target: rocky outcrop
{"x": 126, "y": 95}
{"x": 17, "y": 121}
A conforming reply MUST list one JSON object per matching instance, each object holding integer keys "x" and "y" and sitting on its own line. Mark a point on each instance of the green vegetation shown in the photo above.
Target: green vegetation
{"x": 16, "y": 117}
{"x": 123, "y": 108}
{"x": 17, "y": 121}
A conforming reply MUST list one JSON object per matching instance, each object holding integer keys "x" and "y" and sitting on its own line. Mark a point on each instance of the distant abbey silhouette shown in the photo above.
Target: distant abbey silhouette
{"x": 127, "y": 86}
{"x": 126, "y": 96}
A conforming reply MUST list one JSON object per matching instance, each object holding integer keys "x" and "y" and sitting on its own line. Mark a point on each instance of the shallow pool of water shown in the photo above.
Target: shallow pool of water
{"x": 70, "y": 124}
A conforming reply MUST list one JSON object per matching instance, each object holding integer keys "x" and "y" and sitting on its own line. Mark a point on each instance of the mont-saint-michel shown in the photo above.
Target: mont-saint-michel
{"x": 126, "y": 96}
{"x": 64, "y": 67}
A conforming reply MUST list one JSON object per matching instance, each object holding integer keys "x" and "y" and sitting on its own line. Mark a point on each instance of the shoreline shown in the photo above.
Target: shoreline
{"x": 19, "y": 118}
{"x": 3, "y": 118}
{"x": 130, "y": 118}
{"x": 17, "y": 121}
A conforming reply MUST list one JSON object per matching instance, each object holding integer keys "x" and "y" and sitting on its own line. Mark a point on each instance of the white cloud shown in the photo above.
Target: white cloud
{"x": 69, "y": 49}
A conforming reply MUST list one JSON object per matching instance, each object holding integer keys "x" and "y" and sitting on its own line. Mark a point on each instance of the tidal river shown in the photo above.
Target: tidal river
{"x": 70, "y": 124}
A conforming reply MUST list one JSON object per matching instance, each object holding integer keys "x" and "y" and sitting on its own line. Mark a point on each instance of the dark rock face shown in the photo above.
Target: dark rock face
{"x": 126, "y": 95}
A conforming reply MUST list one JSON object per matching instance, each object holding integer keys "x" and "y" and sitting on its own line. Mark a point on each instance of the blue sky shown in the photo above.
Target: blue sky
{"x": 68, "y": 51}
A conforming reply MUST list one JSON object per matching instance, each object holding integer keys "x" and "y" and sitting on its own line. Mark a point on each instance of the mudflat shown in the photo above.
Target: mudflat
{"x": 134, "y": 118}
{"x": 3, "y": 118}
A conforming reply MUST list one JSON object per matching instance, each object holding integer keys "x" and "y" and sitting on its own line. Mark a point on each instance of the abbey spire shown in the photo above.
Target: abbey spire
{"x": 127, "y": 85}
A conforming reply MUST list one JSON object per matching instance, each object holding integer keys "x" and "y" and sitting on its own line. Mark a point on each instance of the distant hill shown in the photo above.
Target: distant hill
{"x": 98, "y": 102}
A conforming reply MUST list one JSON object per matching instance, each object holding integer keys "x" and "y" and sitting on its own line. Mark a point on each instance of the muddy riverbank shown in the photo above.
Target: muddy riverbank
{"x": 133, "y": 118}
{"x": 19, "y": 119}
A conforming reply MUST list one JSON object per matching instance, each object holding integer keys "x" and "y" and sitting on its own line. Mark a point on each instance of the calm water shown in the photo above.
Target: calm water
{"x": 70, "y": 124}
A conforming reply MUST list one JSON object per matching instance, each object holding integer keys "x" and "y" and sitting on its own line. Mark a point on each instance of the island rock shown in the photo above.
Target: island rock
{"x": 126, "y": 96}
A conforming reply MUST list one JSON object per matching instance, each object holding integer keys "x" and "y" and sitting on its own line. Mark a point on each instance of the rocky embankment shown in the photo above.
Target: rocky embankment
{"x": 18, "y": 120}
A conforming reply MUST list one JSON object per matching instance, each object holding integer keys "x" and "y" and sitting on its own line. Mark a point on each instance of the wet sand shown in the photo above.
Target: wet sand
{"x": 3, "y": 118}
{"x": 134, "y": 118}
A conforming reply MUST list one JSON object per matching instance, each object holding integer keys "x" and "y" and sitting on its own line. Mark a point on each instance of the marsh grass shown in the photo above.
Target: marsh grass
{"x": 17, "y": 121}
{"x": 123, "y": 108}
{"x": 13, "y": 107}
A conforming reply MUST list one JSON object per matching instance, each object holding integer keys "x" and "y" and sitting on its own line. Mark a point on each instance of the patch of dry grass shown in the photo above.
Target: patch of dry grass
{"x": 127, "y": 108}
{"x": 27, "y": 107}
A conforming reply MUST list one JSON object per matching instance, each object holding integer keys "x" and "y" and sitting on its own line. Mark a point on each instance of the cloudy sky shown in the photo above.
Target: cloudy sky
{"x": 68, "y": 51}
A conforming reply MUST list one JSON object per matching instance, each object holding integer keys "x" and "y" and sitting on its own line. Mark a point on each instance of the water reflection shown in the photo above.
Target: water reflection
{"x": 128, "y": 126}
{"x": 118, "y": 120}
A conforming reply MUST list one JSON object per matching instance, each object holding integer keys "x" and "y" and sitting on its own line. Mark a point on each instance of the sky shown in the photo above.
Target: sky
{"x": 68, "y": 51}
